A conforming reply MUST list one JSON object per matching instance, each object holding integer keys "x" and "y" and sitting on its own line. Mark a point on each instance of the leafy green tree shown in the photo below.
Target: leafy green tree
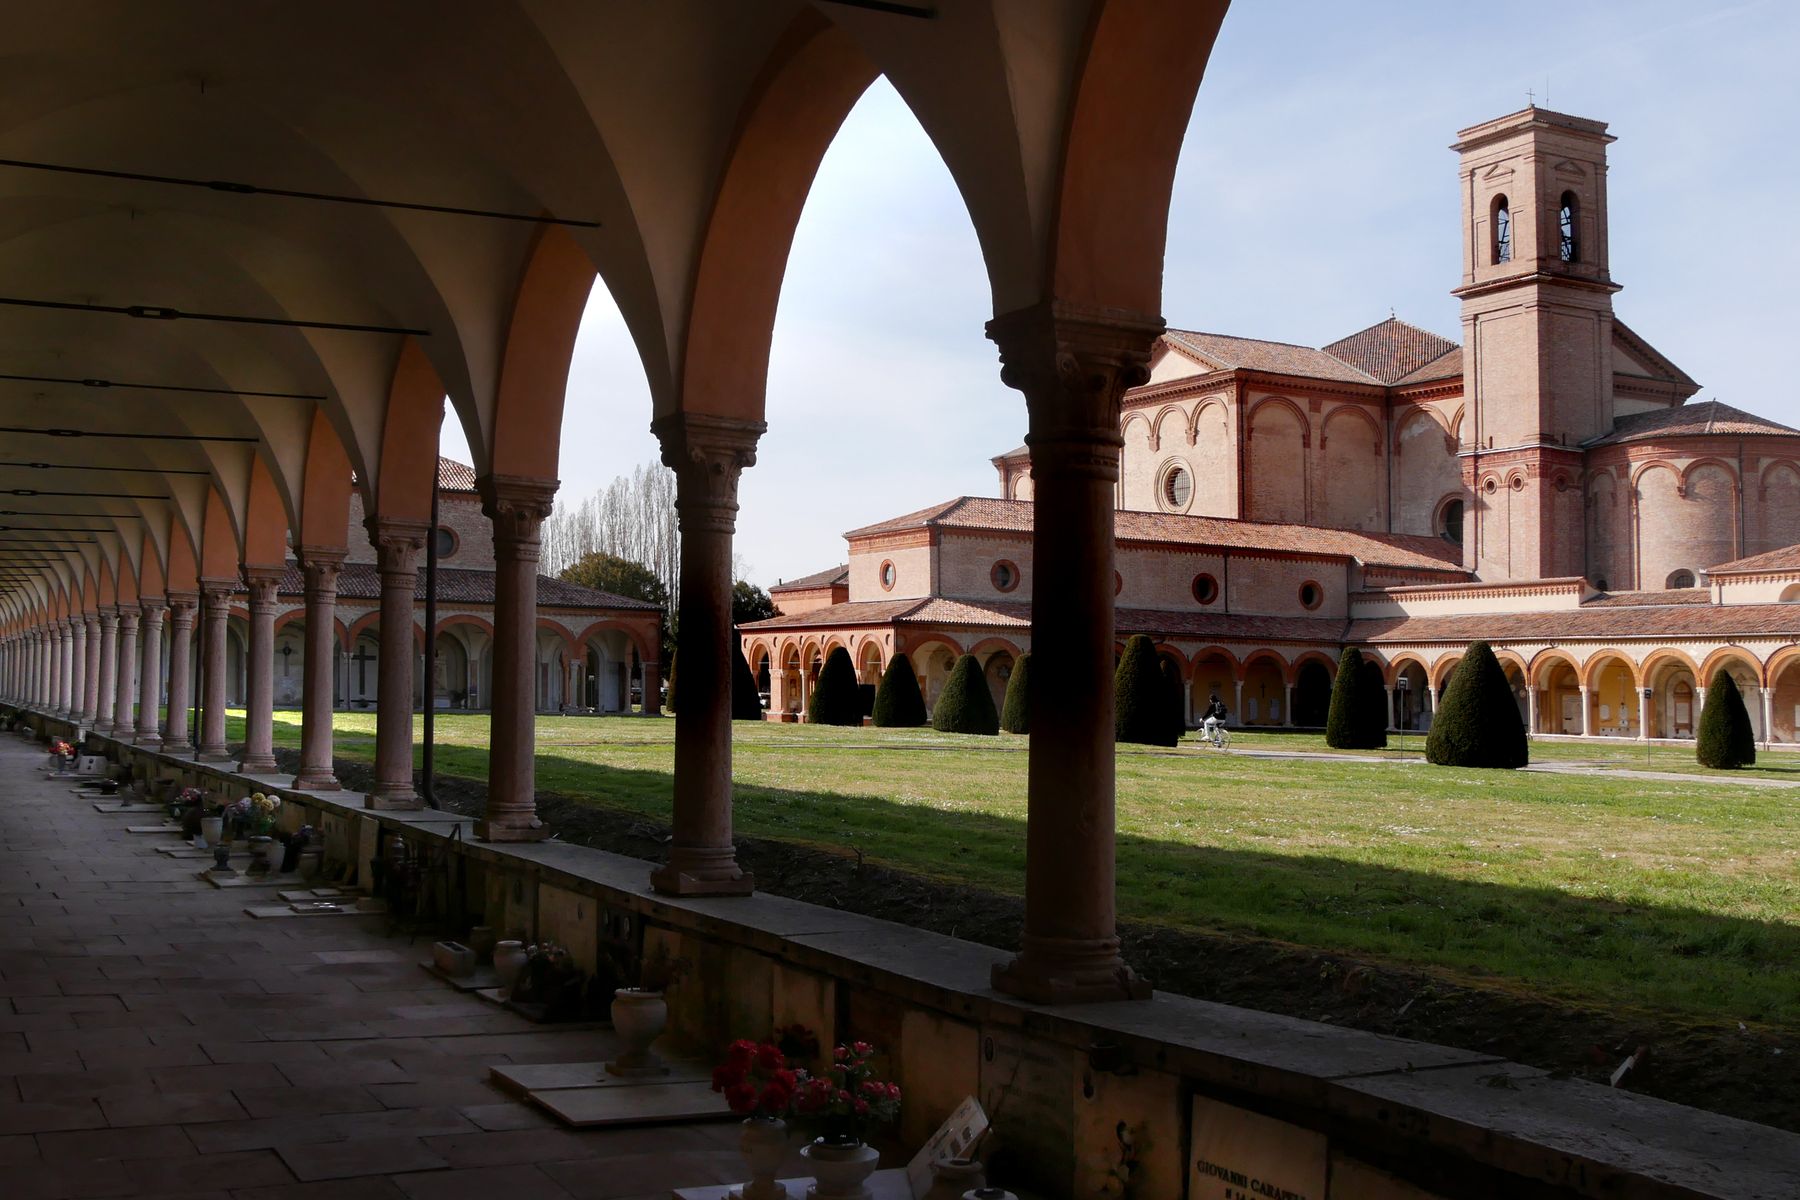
{"x": 1726, "y": 738}
{"x": 1140, "y": 697}
{"x": 746, "y": 705}
{"x": 620, "y": 576}
{"x": 835, "y": 699}
{"x": 898, "y": 701}
{"x": 1372, "y": 710}
{"x": 1015, "y": 714}
{"x": 1343, "y": 728}
{"x": 750, "y": 603}
{"x": 965, "y": 705}
{"x": 1477, "y": 723}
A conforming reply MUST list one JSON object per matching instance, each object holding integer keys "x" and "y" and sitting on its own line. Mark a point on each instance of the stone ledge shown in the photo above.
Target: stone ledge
{"x": 1408, "y": 1097}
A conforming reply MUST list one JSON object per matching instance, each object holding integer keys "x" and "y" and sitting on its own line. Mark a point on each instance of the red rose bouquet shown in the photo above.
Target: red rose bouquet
{"x": 847, "y": 1102}
{"x": 756, "y": 1080}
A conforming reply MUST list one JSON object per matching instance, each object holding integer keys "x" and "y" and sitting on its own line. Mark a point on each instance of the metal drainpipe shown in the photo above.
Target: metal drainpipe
{"x": 428, "y": 765}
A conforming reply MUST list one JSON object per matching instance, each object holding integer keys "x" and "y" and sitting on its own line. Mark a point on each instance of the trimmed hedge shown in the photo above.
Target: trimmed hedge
{"x": 1477, "y": 722}
{"x": 746, "y": 705}
{"x": 1175, "y": 695}
{"x": 1140, "y": 697}
{"x": 965, "y": 705}
{"x": 1726, "y": 738}
{"x": 1372, "y": 711}
{"x": 1343, "y": 730}
{"x": 834, "y": 699}
{"x": 898, "y": 702}
{"x": 1015, "y": 714}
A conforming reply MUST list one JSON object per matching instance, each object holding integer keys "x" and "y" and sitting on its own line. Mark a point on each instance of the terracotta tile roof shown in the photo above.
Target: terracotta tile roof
{"x": 1653, "y": 357}
{"x": 362, "y": 581}
{"x": 1450, "y": 366}
{"x": 1651, "y": 599}
{"x": 1274, "y": 358}
{"x": 1785, "y": 559}
{"x": 1018, "y": 453}
{"x": 941, "y": 610}
{"x": 827, "y": 578}
{"x": 1691, "y": 420}
{"x": 454, "y": 476}
{"x": 1391, "y": 350}
{"x": 1624, "y": 623}
{"x": 1179, "y": 623}
{"x": 1014, "y": 516}
{"x": 861, "y": 612}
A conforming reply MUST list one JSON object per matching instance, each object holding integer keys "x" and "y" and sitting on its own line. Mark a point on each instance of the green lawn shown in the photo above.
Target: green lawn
{"x": 1677, "y": 896}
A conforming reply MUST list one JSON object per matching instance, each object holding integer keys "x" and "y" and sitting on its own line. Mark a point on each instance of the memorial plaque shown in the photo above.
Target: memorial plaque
{"x": 1235, "y": 1154}
{"x": 1027, "y": 1089}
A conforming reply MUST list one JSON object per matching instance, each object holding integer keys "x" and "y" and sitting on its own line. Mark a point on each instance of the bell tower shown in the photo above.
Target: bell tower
{"x": 1537, "y": 320}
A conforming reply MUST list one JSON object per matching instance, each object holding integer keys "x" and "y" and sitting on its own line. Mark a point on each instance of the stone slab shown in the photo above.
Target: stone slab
{"x": 520, "y": 1079}
{"x": 639, "y": 1104}
{"x": 184, "y": 851}
{"x": 277, "y": 912}
{"x": 1234, "y": 1154}
{"x": 242, "y": 879}
{"x": 888, "y": 1183}
{"x": 323, "y": 893}
{"x": 153, "y": 828}
{"x": 481, "y": 979}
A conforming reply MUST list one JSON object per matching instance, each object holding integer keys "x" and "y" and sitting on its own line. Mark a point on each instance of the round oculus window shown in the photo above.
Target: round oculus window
{"x": 446, "y": 542}
{"x": 888, "y": 575}
{"x": 1206, "y": 589}
{"x": 1118, "y": 583}
{"x": 1311, "y": 595}
{"x": 1005, "y": 576}
{"x": 1177, "y": 488}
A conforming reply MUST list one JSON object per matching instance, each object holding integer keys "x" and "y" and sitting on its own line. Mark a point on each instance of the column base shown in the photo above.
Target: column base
{"x": 258, "y": 766}
{"x": 210, "y": 754}
{"x": 511, "y": 829}
{"x": 177, "y": 748}
{"x": 317, "y": 781}
{"x": 670, "y": 880}
{"x": 151, "y": 741}
{"x": 1069, "y": 971}
{"x": 394, "y": 800}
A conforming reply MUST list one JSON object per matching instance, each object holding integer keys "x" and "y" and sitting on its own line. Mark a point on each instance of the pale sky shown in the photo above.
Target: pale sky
{"x": 1315, "y": 192}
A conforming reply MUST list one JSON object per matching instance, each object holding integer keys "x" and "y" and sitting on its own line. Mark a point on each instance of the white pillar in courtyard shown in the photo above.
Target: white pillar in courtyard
{"x": 1587, "y": 715}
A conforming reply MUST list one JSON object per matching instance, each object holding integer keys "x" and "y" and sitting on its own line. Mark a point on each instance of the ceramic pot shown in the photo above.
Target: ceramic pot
{"x": 840, "y": 1170}
{"x": 482, "y": 941}
{"x": 639, "y": 1019}
{"x": 764, "y": 1143}
{"x": 509, "y": 960}
{"x": 953, "y": 1178}
{"x": 212, "y": 831}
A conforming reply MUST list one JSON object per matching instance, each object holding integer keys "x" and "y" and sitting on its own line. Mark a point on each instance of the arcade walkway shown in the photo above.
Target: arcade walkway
{"x": 155, "y": 1041}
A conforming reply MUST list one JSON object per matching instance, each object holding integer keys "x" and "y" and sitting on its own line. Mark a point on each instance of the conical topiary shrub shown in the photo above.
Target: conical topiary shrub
{"x": 1477, "y": 722}
{"x": 898, "y": 702}
{"x": 669, "y": 688}
{"x": 1726, "y": 739}
{"x": 1140, "y": 697}
{"x": 1174, "y": 708}
{"x": 1343, "y": 728}
{"x": 746, "y": 705}
{"x": 1015, "y": 714}
{"x": 1372, "y": 711}
{"x": 835, "y": 700}
{"x": 965, "y": 705}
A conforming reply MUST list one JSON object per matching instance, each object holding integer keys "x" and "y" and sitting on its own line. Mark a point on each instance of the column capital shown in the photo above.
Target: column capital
{"x": 215, "y": 592}
{"x": 1073, "y": 363}
{"x": 183, "y": 603}
{"x": 109, "y": 617}
{"x": 397, "y": 542}
{"x": 152, "y": 607}
{"x": 518, "y": 506}
{"x": 262, "y": 582}
{"x": 707, "y": 454}
{"x": 128, "y": 618}
{"x": 321, "y": 565}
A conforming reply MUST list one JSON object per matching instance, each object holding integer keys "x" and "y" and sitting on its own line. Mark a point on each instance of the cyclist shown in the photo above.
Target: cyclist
{"x": 1212, "y": 727}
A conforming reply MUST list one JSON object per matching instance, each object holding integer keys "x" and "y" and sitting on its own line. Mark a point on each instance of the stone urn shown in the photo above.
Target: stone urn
{"x": 840, "y": 1170}
{"x": 259, "y": 846}
{"x": 482, "y": 941}
{"x": 212, "y": 831}
{"x": 509, "y": 960}
{"x": 764, "y": 1143}
{"x": 953, "y": 1178}
{"x": 638, "y": 1018}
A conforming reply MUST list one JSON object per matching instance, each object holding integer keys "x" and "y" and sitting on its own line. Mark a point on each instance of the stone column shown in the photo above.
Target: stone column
{"x": 1287, "y": 705}
{"x": 78, "y": 669}
{"x": 108, "y": 682}
{"x": 1768, "y": 717}
{"x": 517, "y": 507}
{"x": 124, "y": 717}
{"x": 652, "y": 685}
{"x": 1073, "y": 368}
{"x": 707, "y": 454}
{"x": 181, "y": 671}
{"x": 321, "y": 565}
{"x": 1237, "y": 711}
{"x": 1531, "y": 711}
{"x": 259, "y": 692}
{"x": 1587, "y": 716}
{"x": 397, "y": 546}
{"x": 149, "y": 724}
{"x": 61, "y": 667}
{"x": 215, "y": 613}
{"x": 90, "y": 685}
{"x": 1431, "y": 697}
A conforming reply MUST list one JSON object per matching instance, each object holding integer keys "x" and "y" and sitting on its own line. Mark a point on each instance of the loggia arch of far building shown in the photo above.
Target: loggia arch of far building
{"x": 1546, "y": 484}
{"x": 592, "y": 646}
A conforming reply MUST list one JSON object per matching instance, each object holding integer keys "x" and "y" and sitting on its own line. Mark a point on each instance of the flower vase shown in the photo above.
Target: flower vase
{"x": 764, "y": 1143}
{"x": 840, "y": 1170}
{"x": 639, "y": 1019}
{"x": 953, "y": 1178}
{"x": 212, "y": 832}
{"x": 509, "y": 960}
{"x": 259, "y": 854}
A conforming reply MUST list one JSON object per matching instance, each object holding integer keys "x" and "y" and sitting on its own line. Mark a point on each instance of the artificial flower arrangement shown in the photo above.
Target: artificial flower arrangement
{"x": 60, "y": 749}
{"x": 842, "y": 1104}
{"x": 255, "y": 814}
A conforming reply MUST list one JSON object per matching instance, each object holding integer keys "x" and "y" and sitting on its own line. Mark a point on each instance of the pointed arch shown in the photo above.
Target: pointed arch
{"x": 325, "y": 488}
{"x": 409, "y": 439}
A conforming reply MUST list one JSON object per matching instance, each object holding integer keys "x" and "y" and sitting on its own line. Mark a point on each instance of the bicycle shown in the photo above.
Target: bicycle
{"x": 1220, "y": 739}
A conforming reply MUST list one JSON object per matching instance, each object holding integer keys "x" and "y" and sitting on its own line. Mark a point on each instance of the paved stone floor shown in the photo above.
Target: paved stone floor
{"x": 155, "y": 1041}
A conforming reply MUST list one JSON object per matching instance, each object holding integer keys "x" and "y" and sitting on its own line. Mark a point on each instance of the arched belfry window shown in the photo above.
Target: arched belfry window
{"x": 1502, "y": 230}
{"x": 1567, "y": 220}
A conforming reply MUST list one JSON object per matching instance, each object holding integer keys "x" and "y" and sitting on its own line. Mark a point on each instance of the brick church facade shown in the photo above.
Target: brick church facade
{"x": 1544, "y": 484}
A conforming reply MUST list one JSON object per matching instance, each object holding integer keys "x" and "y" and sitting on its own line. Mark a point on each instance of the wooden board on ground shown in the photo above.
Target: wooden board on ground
{"x": 640, "y": 1103}
{"x": 521, "y": 1079}
{"x": 887, "y": 1184}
